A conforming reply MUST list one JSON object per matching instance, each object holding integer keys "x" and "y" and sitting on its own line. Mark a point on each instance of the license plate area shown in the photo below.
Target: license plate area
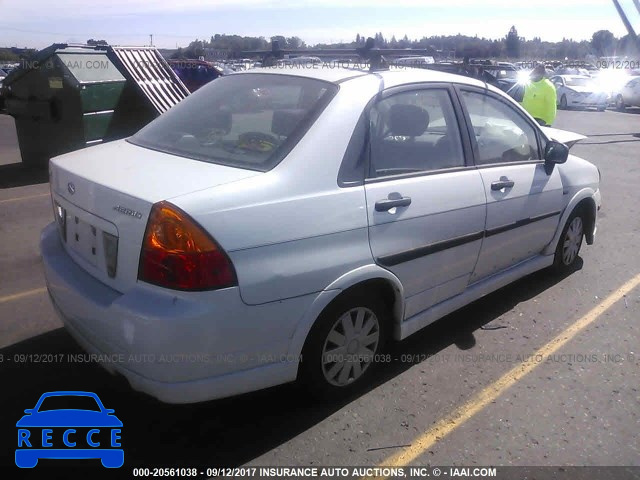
{"x": 84, "y": 239}
{"x": 90, "y": 240}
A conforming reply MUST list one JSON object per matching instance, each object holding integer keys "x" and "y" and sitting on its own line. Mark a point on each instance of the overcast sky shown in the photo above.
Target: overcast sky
{"x": 38, "y": 23}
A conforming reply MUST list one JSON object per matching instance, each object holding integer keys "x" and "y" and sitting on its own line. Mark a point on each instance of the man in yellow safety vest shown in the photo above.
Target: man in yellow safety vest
{"x": 540, "y": 97}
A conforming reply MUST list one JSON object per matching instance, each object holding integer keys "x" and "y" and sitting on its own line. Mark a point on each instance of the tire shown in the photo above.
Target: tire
{"x": 570, "y": 242}
{"x": 620, "y": 106}
{"x": 563, "y": 102}
{"x": 602, "y": 108}
{"x": 331, "y": 364}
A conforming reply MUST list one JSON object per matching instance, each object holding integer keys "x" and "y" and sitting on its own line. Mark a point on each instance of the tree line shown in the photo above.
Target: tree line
{"x": 511, "y": 46}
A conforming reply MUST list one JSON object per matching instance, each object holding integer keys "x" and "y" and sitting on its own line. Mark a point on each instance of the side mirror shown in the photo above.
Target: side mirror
{"x": 109, "y": 411}
{"x": 555, "y": 152}
{"x": 29, "y": 411}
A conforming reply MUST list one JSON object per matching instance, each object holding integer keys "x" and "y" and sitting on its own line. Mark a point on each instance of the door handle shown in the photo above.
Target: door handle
{"x": 388, "y": 204}
{"x": 504, "y": 182}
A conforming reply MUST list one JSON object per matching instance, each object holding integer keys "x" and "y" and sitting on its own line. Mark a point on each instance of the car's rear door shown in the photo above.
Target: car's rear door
{"x": 425, "y": 201}
{"x": 524, "y": 198}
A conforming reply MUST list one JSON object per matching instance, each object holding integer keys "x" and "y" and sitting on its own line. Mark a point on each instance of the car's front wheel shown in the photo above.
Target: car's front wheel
{"x": 344, "y": 345}
{"x": 620, "y": 103}
{"x": 570, "y": 243}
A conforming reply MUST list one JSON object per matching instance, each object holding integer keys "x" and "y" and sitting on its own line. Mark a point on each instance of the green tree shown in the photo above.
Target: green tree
{"x": 513, "y": 43}
{"x": 295, "y": 43}
{"x": 603, "y": 42}
{"x": 282, "y": 41}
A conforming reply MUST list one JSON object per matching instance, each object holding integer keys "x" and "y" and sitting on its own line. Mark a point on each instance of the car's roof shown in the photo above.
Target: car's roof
{"x": 71, "y": 393}
{"x": 393, "y": 76}
{"x": 571, "y": 77}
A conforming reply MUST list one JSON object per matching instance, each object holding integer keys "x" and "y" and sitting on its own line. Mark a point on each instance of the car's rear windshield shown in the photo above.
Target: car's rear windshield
{"x": 69, "y": 402}
{"x": 579, "y": 82}
{"x": 249, "y": 121}
{"x": 502, "y": 73}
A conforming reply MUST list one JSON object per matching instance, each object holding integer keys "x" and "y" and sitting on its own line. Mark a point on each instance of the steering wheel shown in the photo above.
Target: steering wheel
{"x": 257, "y": 142}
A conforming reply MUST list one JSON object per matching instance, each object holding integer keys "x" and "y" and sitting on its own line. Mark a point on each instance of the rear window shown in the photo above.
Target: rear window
{"x": 249, "y": 121}
{"x": 69, "y": 402}
{"x": 579, "y": 82}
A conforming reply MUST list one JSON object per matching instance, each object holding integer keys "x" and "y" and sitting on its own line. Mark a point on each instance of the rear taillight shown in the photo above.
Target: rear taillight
{"x": 178, "y": 254}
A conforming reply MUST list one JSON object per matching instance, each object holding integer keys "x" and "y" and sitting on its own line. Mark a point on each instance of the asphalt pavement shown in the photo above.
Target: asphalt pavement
{"x": 468, "y": 390}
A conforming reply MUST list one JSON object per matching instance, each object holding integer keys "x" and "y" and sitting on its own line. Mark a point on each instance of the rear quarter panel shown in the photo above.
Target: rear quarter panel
{"x": 293, "y": 230}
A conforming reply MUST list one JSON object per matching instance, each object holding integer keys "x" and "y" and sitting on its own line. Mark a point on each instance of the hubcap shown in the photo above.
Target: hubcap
{"x": 350, "y": 346}
{"x": 572, "y": 241}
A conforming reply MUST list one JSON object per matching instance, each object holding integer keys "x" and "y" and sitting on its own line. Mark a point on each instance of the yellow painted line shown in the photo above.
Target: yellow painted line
{"x": 25, "y": 198}
{"x": 463, "y": 413}
{"x": 18, "y": 296}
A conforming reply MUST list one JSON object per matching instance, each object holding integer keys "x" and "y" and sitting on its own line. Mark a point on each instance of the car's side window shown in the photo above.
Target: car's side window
{"x": 414, "y": 131}
{"x": 502, "y": 134}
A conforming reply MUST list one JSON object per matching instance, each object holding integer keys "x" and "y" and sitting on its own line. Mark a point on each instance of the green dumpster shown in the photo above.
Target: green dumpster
{"x": 70, "y": 97}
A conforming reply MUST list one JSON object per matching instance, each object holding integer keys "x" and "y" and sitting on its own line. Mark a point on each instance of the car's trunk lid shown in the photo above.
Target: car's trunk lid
{"x": 107, "y": 193}
{"x": 563, "y": 136}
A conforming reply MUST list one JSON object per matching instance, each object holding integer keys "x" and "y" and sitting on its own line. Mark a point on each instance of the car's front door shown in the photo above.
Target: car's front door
{"x": 426, "y": 203}
{"x": 558, "y": 82}
{"x": 524, "y": 197}
{"x": 634, "y": 90}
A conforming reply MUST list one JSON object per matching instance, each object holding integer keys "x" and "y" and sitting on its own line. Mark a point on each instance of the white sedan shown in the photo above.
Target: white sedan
{"x": 629, "y": 94}
{"x": 225, "y": 249}
{"x": 579, "y": 91}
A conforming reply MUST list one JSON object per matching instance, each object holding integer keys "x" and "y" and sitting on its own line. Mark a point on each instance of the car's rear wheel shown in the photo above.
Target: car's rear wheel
{"x": 26, "y": 459}
{"x": 563, "y": 102}
{"x": 343, "y": 346}
{"x": 620, "y": 103}
{"x": 602, "y": 108}
{"x": 570, "y": 242}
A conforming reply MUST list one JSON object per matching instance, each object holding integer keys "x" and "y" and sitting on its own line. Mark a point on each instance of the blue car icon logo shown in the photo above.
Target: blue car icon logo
{"x": 69, "y": 425}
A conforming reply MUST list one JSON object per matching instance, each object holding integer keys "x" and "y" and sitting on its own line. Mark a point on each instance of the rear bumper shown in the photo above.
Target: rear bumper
{"x": 28, "y": 457}
{"x": 178, "y": 348}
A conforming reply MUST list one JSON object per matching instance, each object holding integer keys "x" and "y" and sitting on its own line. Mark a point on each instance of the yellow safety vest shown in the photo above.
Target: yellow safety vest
{"x": 540, "y": 100}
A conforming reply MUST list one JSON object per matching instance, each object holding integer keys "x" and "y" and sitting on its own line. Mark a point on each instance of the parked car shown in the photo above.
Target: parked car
{"x": 414, "y": 61}
{"x": 579, "y": 91}
{"x": 195, "y": 73}
{"x": 241, "y": 250}
{"x": 3, "y": 75}
{"x": 629, "y": 94}
{"x": 506, "y": 76}
{"x": 572, "y": 70}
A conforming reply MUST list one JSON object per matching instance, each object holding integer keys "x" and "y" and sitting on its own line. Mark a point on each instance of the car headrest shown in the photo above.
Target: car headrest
{"x": 407, "y": 120}
{"x": 284, "y": 122}
{"x": 221, "y": 120}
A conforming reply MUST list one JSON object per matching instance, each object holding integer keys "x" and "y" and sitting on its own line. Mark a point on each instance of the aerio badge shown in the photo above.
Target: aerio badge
{"x": 69, "y": 425}
{"x": 128, "y": 211}
{"x": 71, "y": 188}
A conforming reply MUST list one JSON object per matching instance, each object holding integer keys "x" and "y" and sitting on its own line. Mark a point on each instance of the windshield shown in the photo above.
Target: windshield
{"x": 501, "y": 73}
{"x": 249, "y": 121}
{"x": 69, "y": 402}
{"x": 578, "y": 82}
